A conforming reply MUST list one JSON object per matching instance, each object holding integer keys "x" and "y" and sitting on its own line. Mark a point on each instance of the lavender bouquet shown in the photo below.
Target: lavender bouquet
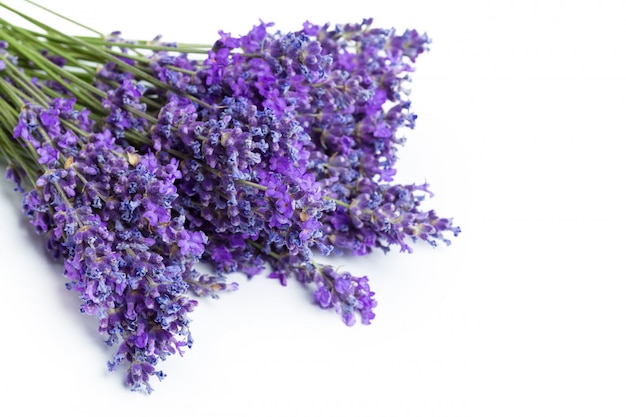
{"x": 258, "y": 154}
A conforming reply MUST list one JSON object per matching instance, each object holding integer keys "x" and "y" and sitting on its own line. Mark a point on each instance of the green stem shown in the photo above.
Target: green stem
{"x": 136, "y": 45}
{"x": 98, "y": 51}
{"x": 19, "y": 78}
{"x": 9, "y": 90}
{"x": 15, "y": 159}
{"x": 29, "y": 37}
{"x": 52, "y": 70}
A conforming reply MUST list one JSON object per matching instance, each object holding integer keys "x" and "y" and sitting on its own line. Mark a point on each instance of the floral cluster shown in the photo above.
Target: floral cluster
{"x": 112, "y": 217}
{"x": 273, "y": 150}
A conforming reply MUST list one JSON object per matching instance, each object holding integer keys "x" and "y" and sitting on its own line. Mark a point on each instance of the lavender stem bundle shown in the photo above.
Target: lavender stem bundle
{"x": 138, "y": 160}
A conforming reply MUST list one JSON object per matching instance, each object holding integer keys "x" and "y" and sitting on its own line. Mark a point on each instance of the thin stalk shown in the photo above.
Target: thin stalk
{"x": 26, "y": 85}
{"x": 16, "y": 160}
{"x": 104, "y": 55}
{"x": 78, "y": 41}
{"x": 52, "y": 70}
{"x": 135, "y": 45}
{"x": 35, "y": 40}
{"x": 8, "y": 90}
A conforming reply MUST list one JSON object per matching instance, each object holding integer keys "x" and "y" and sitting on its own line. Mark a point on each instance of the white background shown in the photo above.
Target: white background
{"x": 521, "y": 121}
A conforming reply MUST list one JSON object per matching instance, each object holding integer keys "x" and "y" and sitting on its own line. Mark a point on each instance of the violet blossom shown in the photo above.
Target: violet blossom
{"x": 109, "y": 214}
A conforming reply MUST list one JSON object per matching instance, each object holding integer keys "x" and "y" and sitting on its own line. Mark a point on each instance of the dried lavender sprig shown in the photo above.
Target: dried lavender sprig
{"x": 347, "y": 294}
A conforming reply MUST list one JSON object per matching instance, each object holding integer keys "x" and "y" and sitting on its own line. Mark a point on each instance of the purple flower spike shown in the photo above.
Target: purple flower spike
{"x": 123, "y": 239}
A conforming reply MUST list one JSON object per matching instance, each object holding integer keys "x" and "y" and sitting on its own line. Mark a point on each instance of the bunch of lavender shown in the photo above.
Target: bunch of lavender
{"x": 277, "y": 73}
{"x": 270, "y": 149}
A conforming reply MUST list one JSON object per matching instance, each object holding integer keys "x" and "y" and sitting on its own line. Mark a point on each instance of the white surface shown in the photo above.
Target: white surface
{"x": 521, "y": 117}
